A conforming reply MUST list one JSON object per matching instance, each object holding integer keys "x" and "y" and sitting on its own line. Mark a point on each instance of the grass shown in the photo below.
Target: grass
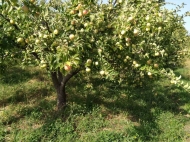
{"x": 105, "y": 113}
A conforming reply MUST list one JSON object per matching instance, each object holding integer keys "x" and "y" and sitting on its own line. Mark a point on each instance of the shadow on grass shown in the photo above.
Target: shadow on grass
{"x": 26, "y": 96}
{"x": 143, "y": 105}
{"x": 15, "y": 75}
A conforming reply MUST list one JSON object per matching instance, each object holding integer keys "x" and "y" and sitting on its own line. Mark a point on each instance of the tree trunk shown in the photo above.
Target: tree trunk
{"x": 61, "y": 97}
{"x": 60, "y": 82}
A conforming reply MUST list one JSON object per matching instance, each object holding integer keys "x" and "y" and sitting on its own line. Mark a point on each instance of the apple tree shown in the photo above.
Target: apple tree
{"x": 124, "y": 40}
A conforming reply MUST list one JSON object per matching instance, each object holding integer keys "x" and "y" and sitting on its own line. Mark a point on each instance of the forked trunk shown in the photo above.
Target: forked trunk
{"x": 60, "y": 82}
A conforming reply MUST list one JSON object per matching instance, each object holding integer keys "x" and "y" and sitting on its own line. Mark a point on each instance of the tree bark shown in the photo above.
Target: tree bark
{"x": 60, "y": 82}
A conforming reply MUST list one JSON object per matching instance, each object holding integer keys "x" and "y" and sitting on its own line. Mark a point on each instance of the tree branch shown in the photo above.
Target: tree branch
{"x": 47, "y": 26}
{"x": 8, "y": 20}
{"x": 69, "y": 76}
{"x": 55, "y": 80}
{"x": 35, "y": 55}
{"x": 60, "y": 76}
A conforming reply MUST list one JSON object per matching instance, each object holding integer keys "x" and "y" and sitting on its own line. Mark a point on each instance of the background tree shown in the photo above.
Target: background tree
{"x": 120, "y": 41}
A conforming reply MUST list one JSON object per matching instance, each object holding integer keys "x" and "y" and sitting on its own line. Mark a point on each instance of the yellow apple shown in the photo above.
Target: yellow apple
{"x": 71, "y": 36}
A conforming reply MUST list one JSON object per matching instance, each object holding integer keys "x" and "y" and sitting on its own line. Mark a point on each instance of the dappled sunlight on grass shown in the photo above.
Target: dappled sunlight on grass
{"x": 105, "y": 112}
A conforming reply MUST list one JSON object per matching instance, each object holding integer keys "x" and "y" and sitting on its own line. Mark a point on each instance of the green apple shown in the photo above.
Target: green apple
{"x": 149, "y": 62}
{"x": 149, "y": 73}
{"x": 37, "y": 41}
{"x": 20, "y": 40}
{"x": 12, "y": 22}
{"x": 55, "y": 32}
{"x": 80, "y": 14}
{"x": 78, "y": 6}
{"x": 157, "y": 54}
{"x": 96, "y": 63}
{"x": 102, "y": 72}
{"x": 88, "y": 69}
{"x": 25, "y": 9}
{"x": 156, "y": 65}
{"x": 148, "y": 24}
{"x": 71, "y": 36}
{"x": 73, "y": 12}
{"x": 123, "y": 32}
{"x": 136, "y": 32}
{"x": 89, "y": 61}
{"x": 32, "y": 1}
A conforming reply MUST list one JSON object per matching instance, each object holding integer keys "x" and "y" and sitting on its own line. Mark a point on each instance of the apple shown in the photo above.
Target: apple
{"x": 159, "y": 28}
{"x": 55, "y": 32}
{"x": 149, "y": 2}
{"x": 80, "y": 14}
{"x": 99, "y": 50}
{"x": 32, "y": 1}
{"x": 89, "y": 61}
{"x": 127, "y": 57}
{"x": 149, "y": 62}
{"x": 130, "y": 19}
{"x": 102, "y": 72}
{"x": 88, "y": 69}
{"x": 137, "y": 65}
{"x": 123, "y": 32}
{"x": 73, "y": 12}
{"x": 85, "y": 12}
{"x": 45, "y": 36}
{"x": 95, "y": 31}
{"x": 134, "y": 62}
{"x": 96, "y": 63}
{"x": 20, "y": 40}
{"x": 82, "y": 30}
{"x": 27, "y": 40}
{"x": 85, "y": 24}
{"x": 42, "y": 61}
{"x": 40, "y": 35}
{"x": 127, "y": 28}
{"x": 127, "y": 39}
{"x": 157, "y": 54}
{"x": 109, "y": 26}
{"x": 120, "y": 1}
{"x": 147, "y": 18}
{"x": 67, "y": 67}
{"x": 37, "y": 41}
{"x": 73, "y": 22}
{"x": 127, "y": 44}
{"x": 149, "y": 73}
{"x": 92, "y": 40}
{"x": 136, "y": 32}
{"x": 25, "y": 9}
{"x": 78, "y": 6}
{"x": 160, "y": 14}
{"x": 147, "y": 29}
{"x": 71, "y": 36}
{"x": 148, "y": 24}
{"x": 43, "y": 65}
{"x": 156, "y": 65}
{"x": 12, "y": 22}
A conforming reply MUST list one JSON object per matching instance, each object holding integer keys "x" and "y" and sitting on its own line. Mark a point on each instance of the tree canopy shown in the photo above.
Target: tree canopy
{"x": 124, "y": 41}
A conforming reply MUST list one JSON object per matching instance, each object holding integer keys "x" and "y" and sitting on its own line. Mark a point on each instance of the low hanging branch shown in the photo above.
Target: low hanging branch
{"x": 8, "y": 20}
